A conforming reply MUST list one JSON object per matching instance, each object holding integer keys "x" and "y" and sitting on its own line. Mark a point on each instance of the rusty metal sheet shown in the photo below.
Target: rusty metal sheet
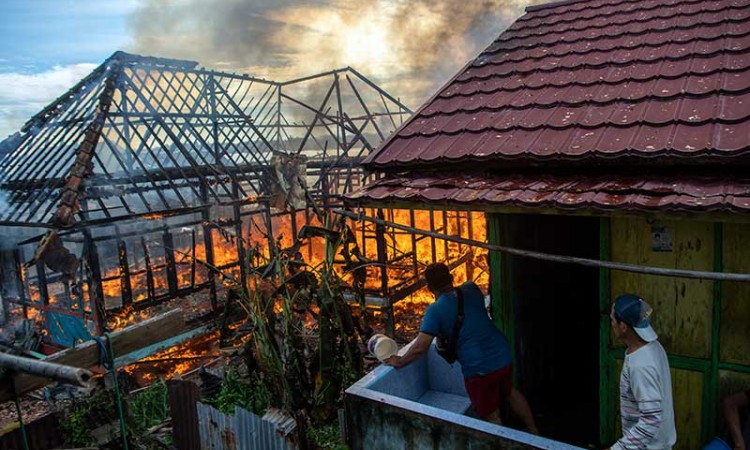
{"x": 244, "y": 430}
{"x": 600, "y": 193}
{"x": 593, "y": 78}
{"x": 217, "y": 430}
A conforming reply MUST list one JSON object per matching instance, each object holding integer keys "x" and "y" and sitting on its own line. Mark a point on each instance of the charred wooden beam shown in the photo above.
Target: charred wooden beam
{"x": 42, "y": 283}
{"x": 240, "y": 242}
{"x": 86, "y": 355}
{"x": 390, "y": 325}
{"x": 208, "y": 242}
{"x": 20, "y": 279}
{"x": 126, "y": 290}
{"x": 170, "y": 261}
{"x": 83, "y": 166}
{"x": 193, "y": 259}
{"x": 94, "y": 280}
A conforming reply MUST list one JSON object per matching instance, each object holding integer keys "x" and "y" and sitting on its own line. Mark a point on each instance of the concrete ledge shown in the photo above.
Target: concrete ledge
{"x": 417, "y": 408}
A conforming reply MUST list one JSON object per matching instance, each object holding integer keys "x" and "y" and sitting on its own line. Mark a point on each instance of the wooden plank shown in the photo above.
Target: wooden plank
{"x": 127, "y": 340}
{"x": 735, "y": 310}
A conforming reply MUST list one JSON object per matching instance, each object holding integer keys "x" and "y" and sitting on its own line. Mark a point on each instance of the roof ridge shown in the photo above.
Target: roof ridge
{"x": 540, "y": 7}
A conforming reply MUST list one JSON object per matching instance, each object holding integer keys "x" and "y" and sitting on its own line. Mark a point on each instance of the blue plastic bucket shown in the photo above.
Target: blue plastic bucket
{"x": 717, "y": 444}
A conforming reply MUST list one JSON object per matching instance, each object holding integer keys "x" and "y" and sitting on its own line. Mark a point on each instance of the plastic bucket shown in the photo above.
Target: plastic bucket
{"x": 717, "y": 444}
{"x": 382, "y": 347}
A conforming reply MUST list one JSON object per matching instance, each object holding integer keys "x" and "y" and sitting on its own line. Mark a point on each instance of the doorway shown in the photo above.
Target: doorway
{"x": 555, "y": 313}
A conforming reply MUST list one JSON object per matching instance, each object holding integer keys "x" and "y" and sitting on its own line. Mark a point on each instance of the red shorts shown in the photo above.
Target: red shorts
{"x": 488, "y": 392}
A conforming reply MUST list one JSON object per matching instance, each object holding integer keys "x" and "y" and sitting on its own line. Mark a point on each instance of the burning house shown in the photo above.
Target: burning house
{"x": 589, "y": 131}
{"x": 154, "y": 179}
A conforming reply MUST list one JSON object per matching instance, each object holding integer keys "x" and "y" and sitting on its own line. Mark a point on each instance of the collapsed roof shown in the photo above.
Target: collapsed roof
{"x": 143, "y": 136}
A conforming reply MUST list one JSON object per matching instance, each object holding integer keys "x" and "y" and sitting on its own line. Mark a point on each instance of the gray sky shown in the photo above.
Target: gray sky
{"x": 409, "y": 47}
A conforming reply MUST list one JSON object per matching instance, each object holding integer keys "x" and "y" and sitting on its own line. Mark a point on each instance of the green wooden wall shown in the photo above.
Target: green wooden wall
{"x": 703, "y": 325}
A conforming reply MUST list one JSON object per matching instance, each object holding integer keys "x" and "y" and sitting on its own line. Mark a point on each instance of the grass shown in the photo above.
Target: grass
{"x": 150, "y": 407}
{"x": 326, "y": 437}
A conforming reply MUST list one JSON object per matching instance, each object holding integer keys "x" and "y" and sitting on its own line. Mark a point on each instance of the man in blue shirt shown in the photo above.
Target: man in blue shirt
{"x": 482, "y": 349}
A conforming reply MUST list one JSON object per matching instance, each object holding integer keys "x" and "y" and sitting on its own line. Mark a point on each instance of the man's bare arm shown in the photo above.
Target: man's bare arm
{"x": 731, "y": 406}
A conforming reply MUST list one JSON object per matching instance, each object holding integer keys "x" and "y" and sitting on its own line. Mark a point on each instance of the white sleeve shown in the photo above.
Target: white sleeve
{"x": 645, "y": 383}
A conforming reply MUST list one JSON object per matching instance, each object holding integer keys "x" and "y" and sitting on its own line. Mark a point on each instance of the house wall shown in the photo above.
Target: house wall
{"x": 734, "y": 331}
{"x": 735, "y": 305}
{"x": 703, "y": 325}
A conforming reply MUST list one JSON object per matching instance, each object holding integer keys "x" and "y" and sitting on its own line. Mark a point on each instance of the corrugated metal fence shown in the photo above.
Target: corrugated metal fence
{"x": 244, "y": 430}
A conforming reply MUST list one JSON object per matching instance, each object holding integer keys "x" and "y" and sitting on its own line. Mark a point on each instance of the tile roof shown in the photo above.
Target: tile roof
{"x": 599, "y": 193}
{"x": 594, "y": 79}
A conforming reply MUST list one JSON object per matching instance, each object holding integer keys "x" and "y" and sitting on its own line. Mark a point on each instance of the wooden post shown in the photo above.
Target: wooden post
{"x": 170, "y": 262}
{"x": 41, "y": 277}
{"x": 150, "y": 289}
{"x": 96, "y": 294}
{"x": 208, "y": 242}
{"x": 241, "y": 256}
{"x": 390, "y": 325}
{"x": 364, "y": 236}
{"x": 309, "y": 241}
{"x": 432, "y": 238}
{"x": 470, "y": 261}
{"x": 445, "y": 231}
{"x": 269, "y": 230}
{"x": 415, "y": 266}
{"x": 193, "y": 261}
{"x": 324, "y": 190}
{"x": 293, "y": 222}
{"x": 126, "y": 291}
{"x": 20, "y": 281}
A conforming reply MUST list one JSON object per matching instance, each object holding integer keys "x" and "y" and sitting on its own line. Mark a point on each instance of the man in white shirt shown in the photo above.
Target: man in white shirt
{"x": 645, "y": 383}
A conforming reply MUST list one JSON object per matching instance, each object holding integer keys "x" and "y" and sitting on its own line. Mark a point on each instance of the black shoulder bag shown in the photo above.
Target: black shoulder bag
{"x": 447, "y": 346}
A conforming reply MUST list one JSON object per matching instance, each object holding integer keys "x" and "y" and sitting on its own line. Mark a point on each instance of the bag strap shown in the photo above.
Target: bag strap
{"x": 460, "y": 317}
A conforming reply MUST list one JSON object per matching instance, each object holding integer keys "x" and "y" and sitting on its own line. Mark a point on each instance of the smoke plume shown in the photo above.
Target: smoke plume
{"x": 409, "y": 47}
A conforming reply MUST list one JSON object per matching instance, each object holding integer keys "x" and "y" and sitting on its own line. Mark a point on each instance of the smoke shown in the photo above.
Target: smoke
{"x": 409, "y": 47}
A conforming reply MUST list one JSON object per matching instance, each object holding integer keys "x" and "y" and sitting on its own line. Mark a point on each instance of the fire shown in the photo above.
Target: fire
{"x": 407, "y": 255}
{"x": 154, "y": 216}
{"x": 126, "y": 316}
{"x": 175, "y": 360}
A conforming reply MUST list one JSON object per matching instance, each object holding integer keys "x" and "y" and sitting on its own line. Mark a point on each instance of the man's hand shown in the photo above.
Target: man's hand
{"x": 418, "y": 348}
{"x": 394, "y": 361}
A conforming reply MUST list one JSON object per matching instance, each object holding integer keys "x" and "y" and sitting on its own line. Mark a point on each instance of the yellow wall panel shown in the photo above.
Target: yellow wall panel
{"x": 735, "y": 311}
{"x": 682, "y": 307}
{"x": 687, "y": 389}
